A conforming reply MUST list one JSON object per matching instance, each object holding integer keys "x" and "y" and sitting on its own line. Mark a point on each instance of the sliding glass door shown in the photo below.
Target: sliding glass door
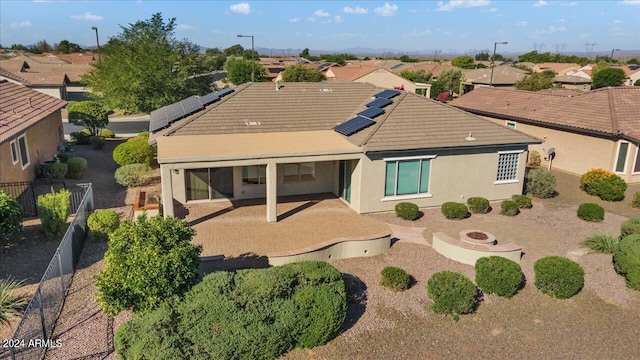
{"x": 206, "y": 184}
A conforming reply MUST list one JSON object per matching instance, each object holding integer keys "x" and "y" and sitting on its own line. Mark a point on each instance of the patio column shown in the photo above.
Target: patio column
{"x": 167, "y": 191}
{"x": 272, "y": 192}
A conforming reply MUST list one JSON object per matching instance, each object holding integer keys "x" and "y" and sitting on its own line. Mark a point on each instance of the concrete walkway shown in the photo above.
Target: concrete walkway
{"x": 409, "y": 234}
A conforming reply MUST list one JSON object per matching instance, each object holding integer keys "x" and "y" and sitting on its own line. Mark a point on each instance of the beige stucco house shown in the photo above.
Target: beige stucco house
{"x": 30, "y": 131}
{"x": 376, "y": 76}
{"x": 597, "y": 129}
{"x": 263, "y": 142}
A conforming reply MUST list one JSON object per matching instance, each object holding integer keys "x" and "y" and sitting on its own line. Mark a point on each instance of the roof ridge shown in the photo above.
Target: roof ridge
{"x": 529, "y": 92}
{"x": 612, "y": 112}
{"x": 377, "y": 126}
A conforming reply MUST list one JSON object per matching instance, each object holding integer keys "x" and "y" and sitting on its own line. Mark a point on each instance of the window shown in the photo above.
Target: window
{"x": 14, "y": 152}
{"x": 636, "y": 167}
{"x": 510, "y": 124}
{"x": 621, "y": 162}
{"x": 24, "y": 151}
{"x": 508, "y": 166}
{"x": 407, "y": 177}
{"x": 208, "y": 184}
{"x": 254, "y": 175}
{"x": 299, "y": 172}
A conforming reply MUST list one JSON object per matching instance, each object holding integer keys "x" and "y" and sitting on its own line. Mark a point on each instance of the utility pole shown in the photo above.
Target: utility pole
{"x": 252, "y": 52}
{"x": 493, "y": 65}
{"x": 435, "y": 54}
{"x": 98, "y": 43}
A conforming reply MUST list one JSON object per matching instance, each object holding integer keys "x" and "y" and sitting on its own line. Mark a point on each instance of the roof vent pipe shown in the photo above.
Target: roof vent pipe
{"x": 277, "y": 86}
{"x": 470, "y": 137}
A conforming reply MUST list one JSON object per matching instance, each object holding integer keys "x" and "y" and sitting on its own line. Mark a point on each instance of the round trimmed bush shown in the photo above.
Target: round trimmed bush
{"x": 541, "y": 184}
{"x": 630, "y": 226}
{"x": 10, "y": 215}
{"x": 65, "y": 156}
{"x": 76, "y": 167}
{"x": 603, "y": 184}
{"x": 452, "y": 293}
{"x": 524, "y": 202}
{"x": 626, "y": 260}
{"x": 134, "y": 152}
{"x": 558, "y": 276}
{"x": 407, "y": 211}
{"x": 509, "y": 208}
{"x": 57, "y": 170}
{"x": 133, "y": 175}
{"x": 81, "y": 137}
{"x": 395, "y": 278}
{"x": 591, "y": 212}
{"x": 106, "y": 133}
{"x": 534, "y": 159}
{"x": 478, "y": 205}
{"x": 590, "y": 180}
{"x": 454, "y": 211}
{"x": 97, "y": 142}
{"x": 636, "y": 200}
{"x": 102, "y": 223}
{"x": 498, "y": 275}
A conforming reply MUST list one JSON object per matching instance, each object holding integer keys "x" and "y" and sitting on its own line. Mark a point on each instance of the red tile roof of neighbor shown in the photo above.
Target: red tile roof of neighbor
{"x": 610, "y": 112}
{"x": 352, "y": 72}
{"x": 78, "y": 58}
{"x": 21, "y": 107}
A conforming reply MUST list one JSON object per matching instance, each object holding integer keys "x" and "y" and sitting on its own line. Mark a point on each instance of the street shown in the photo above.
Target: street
{"x": 121, "y": 126}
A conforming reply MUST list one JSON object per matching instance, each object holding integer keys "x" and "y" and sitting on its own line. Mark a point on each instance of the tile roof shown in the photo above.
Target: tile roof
{"x": 45, "y": 73}
{"x": 569, "y": 79}
{"x": 21, "y": 107}
{"x": 411, "y": 122}
{"x": 13, "y": 76}
{"x": 352, "y": 72}
{"x": 606, "y": 112}
{"x": 558, "y": 67}
{"x": 78, "y": 58}
{"x": 502, "y": 75}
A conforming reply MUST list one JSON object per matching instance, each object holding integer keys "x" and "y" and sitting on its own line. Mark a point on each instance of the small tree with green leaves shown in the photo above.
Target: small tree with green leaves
{"x": 608, "y": 77}
{"x": 148, "y": 261}
{"x": 53, "y": 210}
{"x": 535, "y": 82}
{"x": 90, "y": 114}
{"x": 10, "y": 215}
{"x": 464, "y": 61}
{"x": 239, "y": 70}
{"x": 299, "y": 73}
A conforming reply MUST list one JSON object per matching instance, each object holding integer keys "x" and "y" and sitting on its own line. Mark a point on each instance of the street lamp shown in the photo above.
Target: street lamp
{"x": 493, "y": 59}
{"x": 252, "y": 51}
{"x": 612, "y": 51}
{"x": 97, "y": 42}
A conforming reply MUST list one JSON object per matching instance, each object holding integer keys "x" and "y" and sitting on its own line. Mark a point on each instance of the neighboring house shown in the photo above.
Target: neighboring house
{"x": 42, "y": 78}
{"x": 375, "y": 76}
{"x": 559, "y": 69}
{"x": 304, "y": 138}
{"x": 633, "y": 74}
{"x": 597, "y": 129}
{"x": 573, "y": 82}
{"x": 30, "y": 131}
{"x": 504, "y": 76}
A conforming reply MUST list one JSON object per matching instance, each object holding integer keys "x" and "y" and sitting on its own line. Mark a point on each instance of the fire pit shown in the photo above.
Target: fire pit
{"x": 477, "y": 237}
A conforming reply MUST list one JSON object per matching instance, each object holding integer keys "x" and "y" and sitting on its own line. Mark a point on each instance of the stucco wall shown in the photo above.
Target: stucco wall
{"x": 455, "y": 176}
{"x": 56, "y": 92}
{"x": 384, "y": 79}
{"x": 42, "y": 141}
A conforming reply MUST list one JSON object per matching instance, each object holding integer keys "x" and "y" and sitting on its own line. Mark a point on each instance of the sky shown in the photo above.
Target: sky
{"x": 452, "y": 27}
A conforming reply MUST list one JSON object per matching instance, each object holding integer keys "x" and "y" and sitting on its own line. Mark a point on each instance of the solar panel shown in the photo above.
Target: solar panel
{"x": 158, "y": 120}
{"x": 324, "y": 65}
{"x": 371, "y": 112}
{"x": 191, "y": 105}
{"x": 379, "y": 103}
{"x": 224, "y": 92}
{"x": 396, "y": 66}
{"x": 354, "y": 125}
{"x": 387, "y": 94}
{"x": 208, "y": 99}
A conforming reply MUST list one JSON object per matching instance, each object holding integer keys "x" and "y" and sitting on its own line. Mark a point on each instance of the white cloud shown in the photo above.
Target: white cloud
{"x": 355, "y": 10}
{"x": 386, "y": 10}
{"x": 457, "y": 4}
{"x": 337, "y": 18}
{"x": 548, "y": 30}
{"x": 294, "y": 20}
{"x": 184, "y": 27}
{"x": 618, "y": 21}
{"x": 521, "y": 23}
{"x": 618, "y": 31}
{"x": 630, "y": 2}
{"x": 240, "y": 8}
{"x": 540, "y": 3}
{"x": 312, "y": 19}
{"x": 493, "y": 10}
{"x": 425, "y": 32}
{"x": 20, "y": 25}
{"x": 87, "y": 17}
{"x": 320, "y": 13}
{"x": 573, "y": 3}
{"x": 562, "y": 20}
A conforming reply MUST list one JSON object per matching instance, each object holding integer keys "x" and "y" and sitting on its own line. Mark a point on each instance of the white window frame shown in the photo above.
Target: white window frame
{"x": 26, "y": 149}
{"x": 507, "y": 123}
{"x": 300, "y": 179}
{"x": 15, "y": 154}
{"x": 510, "y": 181}
{"x": 409, "y": 196}
{"x": 615, "y": 164}
{"x": 637, "y": 161}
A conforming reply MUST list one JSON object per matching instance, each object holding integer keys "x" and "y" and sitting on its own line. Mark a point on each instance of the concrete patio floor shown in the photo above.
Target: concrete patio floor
{"x": 240, "y": 228}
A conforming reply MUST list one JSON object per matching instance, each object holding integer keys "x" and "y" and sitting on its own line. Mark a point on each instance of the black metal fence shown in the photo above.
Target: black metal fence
{"x": 27, "y": 192}
{"x": 33, "y": 335}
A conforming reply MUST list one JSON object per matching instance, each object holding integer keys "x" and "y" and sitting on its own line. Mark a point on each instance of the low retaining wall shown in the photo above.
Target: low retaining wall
{"x": 468, "y": 253}
{"x": 340, "y": 248}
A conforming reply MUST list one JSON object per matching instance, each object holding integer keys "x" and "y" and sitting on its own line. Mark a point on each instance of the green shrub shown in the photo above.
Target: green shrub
{"x": 451, "y": 293}
{"x": 630, "y": 226}
{"x": 626, "y": 260}
{"x": 601, "y": 242}
{"x": 524, "y": 202}
{"x": 590, "y": 180}
{"x": 134, "y": 152}
{"x": 604, "y": 184}
{"x": 12, "y": 301}
{"x": 534, "y": 159}
{"x": 395, "y": 278}
{"x": 97, "y": 142}
{"x": 10, "y": 216}
{"x": 106, "y": 133}
{"x": 53, "y": 210}
{"x": 148, "y": 261}
{"x": 102, "y": 223}
{"x": 540, "y": 183}
{"x": 591, "y": 212}
{"x": 65, "y": 156}
{"x": 636, "y": 200}
{"x": 55, "y": 170}
{"x": 498, "y": 275}
{"x": 133, "y": 175}
{"x": 81, "y": 137}
{"x": 454, "y": 210}
{"x": 478, "y": 205}
{"x": 509, "y": 208}
{"x": 76, "y": 167}
{"x": 407, "y": 211}
{"x": 558, "y": 277}
{"x": 143, "y": 134}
